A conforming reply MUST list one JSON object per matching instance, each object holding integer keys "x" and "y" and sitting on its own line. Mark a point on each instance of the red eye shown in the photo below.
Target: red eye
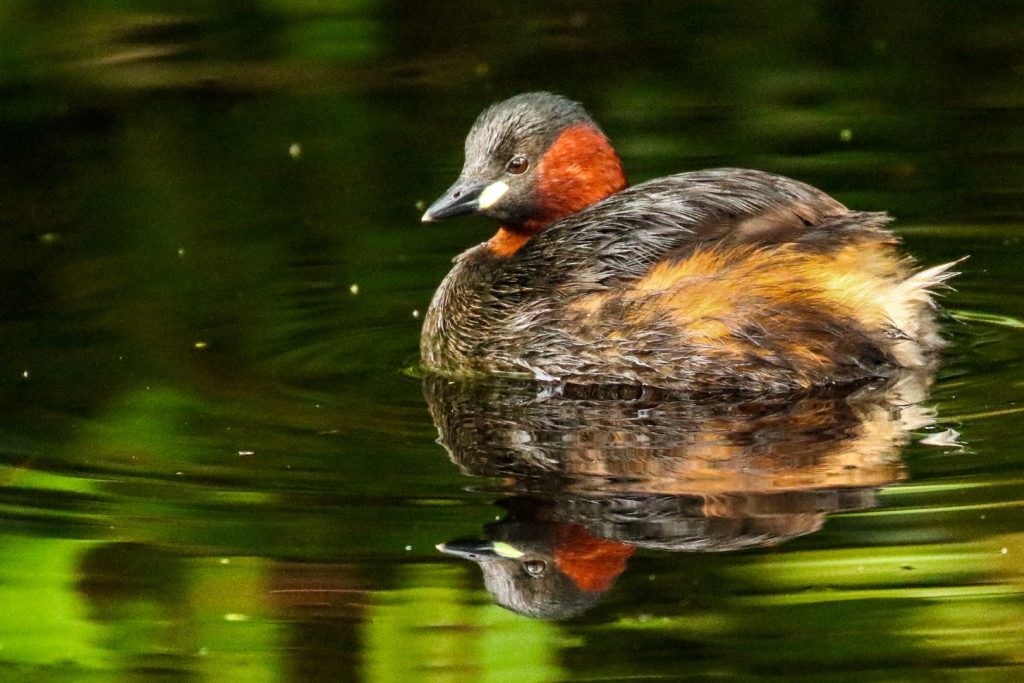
{"x": 517, "y": 165}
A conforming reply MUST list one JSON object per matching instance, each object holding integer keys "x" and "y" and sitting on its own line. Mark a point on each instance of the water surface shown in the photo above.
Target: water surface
{"x": 217, "y": 466}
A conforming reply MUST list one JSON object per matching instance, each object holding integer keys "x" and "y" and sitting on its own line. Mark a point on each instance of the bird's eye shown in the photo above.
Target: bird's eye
{"x": 517, "y": 165}
{"x": 535, "y": 567}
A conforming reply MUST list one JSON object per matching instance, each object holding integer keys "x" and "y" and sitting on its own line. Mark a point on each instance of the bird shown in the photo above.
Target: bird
{"x": 720, "y": 281}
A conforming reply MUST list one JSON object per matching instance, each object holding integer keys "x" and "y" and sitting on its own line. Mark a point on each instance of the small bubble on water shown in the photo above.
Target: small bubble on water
{"x": 408, "y": 548}
{"x": 1004, "y": 550}
{"x": 846, "y": 135}
{"x": 416, "y": 313}
{"x": 295, "y": 150}
{"x": 353, "y": 288}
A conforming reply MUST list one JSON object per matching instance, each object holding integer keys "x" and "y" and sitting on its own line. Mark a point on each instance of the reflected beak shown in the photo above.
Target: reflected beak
{"x": 479, "y": 550}
{"x": 461, "y": 199}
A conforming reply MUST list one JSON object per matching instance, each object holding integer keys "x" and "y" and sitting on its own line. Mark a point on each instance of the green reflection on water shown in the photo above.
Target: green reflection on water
{"x": 432, "y": 634}
{"x": 45, "y": 622}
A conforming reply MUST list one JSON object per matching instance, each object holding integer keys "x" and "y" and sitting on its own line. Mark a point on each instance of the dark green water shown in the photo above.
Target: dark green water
{"x": 216, "y": 466}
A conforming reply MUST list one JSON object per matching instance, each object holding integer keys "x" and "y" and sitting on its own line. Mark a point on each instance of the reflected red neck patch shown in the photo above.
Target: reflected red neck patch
{"x": 592, "y": 563}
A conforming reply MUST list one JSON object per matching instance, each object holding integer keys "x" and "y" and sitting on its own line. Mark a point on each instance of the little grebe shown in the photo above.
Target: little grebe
{"x": 716, "y": 280}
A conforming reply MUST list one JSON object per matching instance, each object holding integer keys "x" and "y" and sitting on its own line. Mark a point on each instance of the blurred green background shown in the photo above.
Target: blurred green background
{"x": 214, "y": 465}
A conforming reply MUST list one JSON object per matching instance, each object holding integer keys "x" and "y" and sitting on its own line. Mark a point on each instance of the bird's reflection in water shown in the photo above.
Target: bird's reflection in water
{"x": 588, "y": 477}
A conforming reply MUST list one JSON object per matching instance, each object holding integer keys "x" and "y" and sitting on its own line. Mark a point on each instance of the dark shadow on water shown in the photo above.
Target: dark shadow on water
{"x": 587, "y": 481}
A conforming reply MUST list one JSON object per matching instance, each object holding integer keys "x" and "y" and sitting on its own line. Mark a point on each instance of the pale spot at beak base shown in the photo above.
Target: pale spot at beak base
{"x": 491, "y": 194}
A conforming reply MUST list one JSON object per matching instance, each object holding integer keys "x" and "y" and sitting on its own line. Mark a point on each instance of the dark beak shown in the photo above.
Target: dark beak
{"x": 461, "y": 199}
